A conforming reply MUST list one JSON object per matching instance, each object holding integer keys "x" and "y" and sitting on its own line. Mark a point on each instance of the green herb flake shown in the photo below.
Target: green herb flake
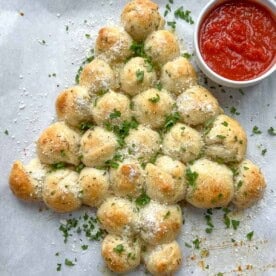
{"x": 249, "y": 235}
{"x": 159, "y": 86}
{"x": 58, "y": 267}
{"x": 115, "y": 114}
{"x": 256, "y": 130}
{"x": 172, "y": 24}
{"x": 142, "y": 200}
{"x": 233, "y": 110}
{"x": 87, "y": 36}
{"x": 68, "y": 262}
{"x": 226, "y": 221}
{"x": 184, "y": 15}
{"x": 58, "y": 166}
{"x": 139, "y": 75}
{"x": 171, "y": 120}
{"x": 191, "y": 177}
{"x": 167, "y": 215}
{"x": 221, "y": 136}
{"x": 119, "y": 249}
{"x": 84, "y": 247}
{"x": 187, "y": 55}
{"x": 196, "y": 243}
{"x": 67, "y": 28}
{"x": 77, "y": 77}
{"x": 241, "y": 91}
{"x": 240, "y": 183}
{"x": 6, "y": 132}
{"x": 155, "y": 99}
{"x": 138, "y": 49}
{"x": 272, "y": 131}
{"x": 235, "y": 224}
{"x": 225, "y": 124}
{"x": 219, "y": 274}
{"x": 187, "y": 245}
{"x": 85, "y": 126}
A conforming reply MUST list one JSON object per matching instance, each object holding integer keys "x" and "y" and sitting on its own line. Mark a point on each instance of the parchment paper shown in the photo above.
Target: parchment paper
{"x": 33, "y": 72}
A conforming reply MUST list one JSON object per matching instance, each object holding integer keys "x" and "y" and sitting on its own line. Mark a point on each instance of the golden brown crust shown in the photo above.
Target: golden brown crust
{"x": 249, "y": 185}
{"x": 20, "y": 183}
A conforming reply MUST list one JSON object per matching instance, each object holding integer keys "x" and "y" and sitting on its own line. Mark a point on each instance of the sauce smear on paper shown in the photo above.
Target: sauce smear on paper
{"x": 237, "y": 40}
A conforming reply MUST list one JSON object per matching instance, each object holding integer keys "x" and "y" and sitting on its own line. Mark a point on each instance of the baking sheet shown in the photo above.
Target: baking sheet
{"x": 33, "y": 72}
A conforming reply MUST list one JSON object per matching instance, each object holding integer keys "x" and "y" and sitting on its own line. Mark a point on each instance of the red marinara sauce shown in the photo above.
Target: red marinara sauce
{"x": 237, "y": 40}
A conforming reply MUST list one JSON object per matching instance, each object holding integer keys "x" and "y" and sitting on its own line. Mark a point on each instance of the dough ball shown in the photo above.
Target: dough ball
{"x": 225, "y": 140}
{"x": 197, "y": 105}
{"x": 162, "y": 46}
{"x": 61, "y": 191}
{"x": 113, "y": 44}
{"x": 98, "y": 146}
{"x": 58, "y": 143}
{"x": 164, "y": 259}
{"x": 178, "y": 75}
{"x": 121, "y": 254}
{"x": 26, "y": 182}
{"x": 140, "y": 18}
{"x": 97, "y": 76}
{"x": 165, "y": 181}
{"x": 127, "y": 179}
{"x": 94, "y": 185}
{"x": 143, "y": 143}
{"x": 151, "y": 107}
{"x": 73, "y": 105}
{"x": 112, "y": 107}
{"x": 137, "y": 75}
{"x": 209, "y": 184}
{"x": 160, "y": 223}
{"x": 182, "y": 142}
{"x": 117, "y": 216}
{"x": 249, "y": 185}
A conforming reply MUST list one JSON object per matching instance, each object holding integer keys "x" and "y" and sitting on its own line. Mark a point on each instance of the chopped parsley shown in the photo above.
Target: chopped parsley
{"x": 264, "y": 151}
{"x": 271, "y": 131}
{"x": 159, "y": 86}
{"x": 58, "y": 166}
{"x": 113, "y": 163}
{"x": 79, "y": 167}
{"x": 84, "y": 247}
{"x": 191, "y": 177}
{"x": 209, "y": 222}
{"x": 85, "y": 126}
{"x": 208, "y": 125}
{"x": 240, "y": 183}
{"x": 142, "y": 200}
{"x": 187, "y": 245}
{"x": 6, "y": 132}
{"x": 172, "y": 24}
{"x": 58, "y": 267}
{"x": 187, "y": 55}
{"x": 235, "y": 224}
{"x": 139, "y": 75}
{"x": 87, "y": 60}
{"x": 234, "y": 111}
{"x": 256, "y": 130}
{"x": 115, "y": 114}
{"x": 68, "y": 262}
{"x": 225, "y": 124}
{"x": 171, "y": 120}
{"x": 167, "y": 10}
{"x": 138, "y": 49}
{"x": 167, "y": 215}
{"x": 249, "y": 235}
{"x": 119, "y": 249}
{"x": 184, "y": 15}
{"x": 241, "y": 91}
{"x": 196, "y": 243}
{"x": 67, "y": 28}
{"x": 155, "y": 99}
{"x": 221, "y": 136}
{"x": 87, "y": 36}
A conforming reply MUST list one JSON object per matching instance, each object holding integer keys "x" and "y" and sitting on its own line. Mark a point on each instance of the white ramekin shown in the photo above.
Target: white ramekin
{"x": 206, "y": 69}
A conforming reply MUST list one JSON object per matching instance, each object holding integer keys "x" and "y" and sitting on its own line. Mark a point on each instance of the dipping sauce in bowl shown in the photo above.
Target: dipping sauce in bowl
{"x": 237, "y": 40}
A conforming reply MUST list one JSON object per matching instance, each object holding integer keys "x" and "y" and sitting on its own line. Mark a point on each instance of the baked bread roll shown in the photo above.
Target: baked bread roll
{"x": 197, "y": 105}
{"x": 162, "y": 46}
{"x": 97, "y": 77}
{"x": 73, "y": 105}
{"x": 143, "y": 143}
{"x": 113, "y": 44}
{"x": 140, "y": 18}
{"x": 165, "y": 181}
{"x": 58, "y": 143}
{"x": 249, "y": 185}
{"x": 112, "y": 107}
{"x": 97, "y": 146}
{"x": 182, "y": 142}
{"x": 164, "y": 259}
{"x": 178, "y": 75}
{"x": 61, "y": 191}
{"x": 26, "y": 182}
{"x": 128, "y": 179}
{"x": 209, "y": 184}
{"x": 117, "y": 216}
{"x": 226, "y": 140}
{"x": 151, "y": 107}
{"x": 121, "y": 254}
{"x": 137, "y": 75}
{"x": 160, "y": 223}
{"x": 94, "y": 184}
